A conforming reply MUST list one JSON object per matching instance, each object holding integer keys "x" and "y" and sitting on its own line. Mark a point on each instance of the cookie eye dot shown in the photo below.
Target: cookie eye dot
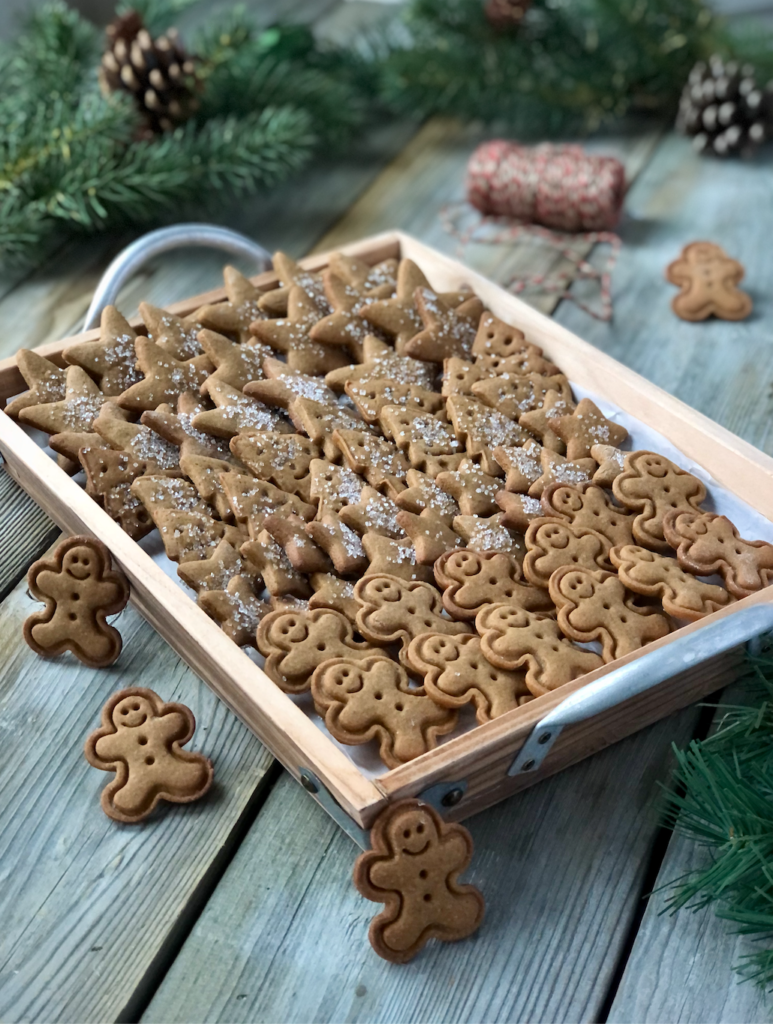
{"x": 398, "y": 707}
{"x": 378, "y": 696}
{"x": 135, "y": 707}
{"x": 427, "y": 897}
{"x": 75, "y": 597}
{"x": 423, "y": 873}
{"x": 150, "y": 760}
{"x": 407, "y": 833}
{"x": 419, "y": 829}
{"x": 142, "y": 740}
{"x": 72, "y": 616}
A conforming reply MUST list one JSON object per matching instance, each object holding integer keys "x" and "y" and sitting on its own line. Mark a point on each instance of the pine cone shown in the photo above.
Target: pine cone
{"x": 506, "y": 14}
{"x": 723, "y": 108}
{"x": 158, "y": 73}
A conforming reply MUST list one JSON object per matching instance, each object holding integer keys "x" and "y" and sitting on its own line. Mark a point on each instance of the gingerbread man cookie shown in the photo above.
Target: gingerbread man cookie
{"x": 413, "y": 869}
{"x": 140, "y": 739}
{"x": 595, "y": 606}
{"x": 707, "y": 543}
{"x": 472, "y": 579}
{"x": 80, "y": 589}
{"x": 650, "y": 484}
{"x": 392, "y": 609}
{"x": 551, "y": 543}
{"x": 709, "y": 281}
{"x": 588, "y": 506}
{"x": 456, "y": 673}
{"x": 512, "y": 638}
{"x": 373, "y": 699}
{"x": 652, "y": 575}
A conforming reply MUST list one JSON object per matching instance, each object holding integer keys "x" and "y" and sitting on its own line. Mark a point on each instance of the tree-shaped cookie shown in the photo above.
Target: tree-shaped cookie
{"x": 653, "y": 575}
{"x": 596, "y": 606}
{"x": 455, "y": 672}
{"x": 651, "y": 485}
{"x": 140, "y": 739}
{"x": 707, "y": 543}
{"x": 413, "y": 868}
{"x": 551, "y": 543}
{"x": 80, "y": 590}
{"x": 295, "y": 643}
{"x": 282, "y": 459}
{"x": 470, "y": 580}
{"x": 709, "y": 280}
{"x": 372, "y": 699}
{"x": 512, "y": 638}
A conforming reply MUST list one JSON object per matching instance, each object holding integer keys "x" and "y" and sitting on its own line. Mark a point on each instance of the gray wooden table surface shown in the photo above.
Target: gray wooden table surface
{"x": 241, "y": 907}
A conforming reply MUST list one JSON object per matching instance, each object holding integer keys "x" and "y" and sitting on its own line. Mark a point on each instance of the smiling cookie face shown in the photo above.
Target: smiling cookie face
{"x": 81, "y": 563}
{"x": 413, "y": 833}
{"x": 132, "y": 712}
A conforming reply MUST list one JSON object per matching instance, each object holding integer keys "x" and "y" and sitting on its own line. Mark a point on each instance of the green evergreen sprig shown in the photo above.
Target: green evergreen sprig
{"x": 723, "y": 799}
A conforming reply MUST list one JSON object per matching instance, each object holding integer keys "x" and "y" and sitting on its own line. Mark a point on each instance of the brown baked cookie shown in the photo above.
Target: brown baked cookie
{"x": 188, "y": 536}
{"x": 237, "y": 413}
{"x": 235, "y": 316}
{"x": 109, "y": 476}
{"x": 207, "y": 475}
{"x": 459, "y": 375}
{"x": 136, "y": 439}
{"x": 294, "y": 643}
{"x": 334, "y": 487}
{"x": 318, "y": 422}
{"x": 651, "y": 485}
{"x": 394, "y": 557}
{"x": 456, "y": 673}
{"x": 413, "y": 868}
{"x": 236, "y": 609}
{"x": 269, "y": 560}
{"x": 378, "y": 460}
{"x": 706, "y": 543}
{"x": 472, "y": 579}
{"x": 291, "y": 335}
{"x": 522, "y": 465}
{"x": 481, "y": 533}
{"x": 73, "y": 414}
{"x": 332, "y": 592}
{"x": 447, "y": 331}
{"x": 539, "y": 421}
{"x": 430, "y": 535}
{"x": 164, "y": 377}
{"x": 708, "y": 279}
{"x": 431, "y": 445}
{"x": 558, "y": 470}
{"x": 475, "y": 491}
{"x": 289, "y": 532}
{"x": 586, "y": 426}
{"x": 372, "y": 513}
{"x": 249, "y": 498}
{"x": 551, "y": 543}
{"x": 514, "y": 394}
{"x": 496, "y": 338}
{"x": 343, "y": 327}
{"x": 398, "y": 317}
{"x": 110, "y": 360}
{"x": 176, "y": 427}
{"x": 160, "y": 492}
{"x": 178, "y": 335}
{"x": 512, "y": 638}
{"x": 80, "y": 589}
{"x": 372, "y": 396}
{"x": 611, "y": 462}
{"x": 482, "y": 430}
{"x": 392, "y": 610}
{"x": 596, "y": 606}
{"x": 284, "y": 384}
{"x": 423, "y": 492}
{"x": 588, "y": 506}
{"x": 519, "y": 510}
{"x": 140, "y": 739}
{"x": 380, "y": 361}
{"x": 654, "y": 575}
{"x": 213, "y": 573}
{"x": 275, "y": 301}
{"x": 372, "y": 699}
{"x": 282, "y": 459}
{"x": 379, "y": 280}
{"x": 342, "y": 544}
{"x": 45, "y": 380}
{"x": 235, "y": 365}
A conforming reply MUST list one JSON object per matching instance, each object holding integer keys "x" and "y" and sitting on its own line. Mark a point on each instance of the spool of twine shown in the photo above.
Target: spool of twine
{"x": 561, "y": 187}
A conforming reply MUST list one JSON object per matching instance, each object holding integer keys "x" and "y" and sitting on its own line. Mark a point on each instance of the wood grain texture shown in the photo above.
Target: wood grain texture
{"x": 89, "y": 907}
{"x": 284, "y": 935}
{"x": 25, "y": 533}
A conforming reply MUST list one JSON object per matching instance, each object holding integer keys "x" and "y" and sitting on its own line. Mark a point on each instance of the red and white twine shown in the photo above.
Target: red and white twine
{"x": 557, "y": 193}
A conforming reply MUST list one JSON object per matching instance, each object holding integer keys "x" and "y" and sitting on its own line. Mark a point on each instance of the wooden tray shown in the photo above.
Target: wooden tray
{"x": 478, "y": 760}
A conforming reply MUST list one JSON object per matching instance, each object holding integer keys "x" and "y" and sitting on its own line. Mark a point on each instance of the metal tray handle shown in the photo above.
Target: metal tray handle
{"x": 639, "y": 675}
{"x": 130, "y": 259}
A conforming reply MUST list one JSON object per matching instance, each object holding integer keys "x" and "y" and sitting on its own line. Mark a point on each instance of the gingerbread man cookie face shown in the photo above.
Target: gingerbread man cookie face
{"x": 140, "y": 739}
{"x": 372, "y": 699}
{"x": 596, "y": 606}
{"x": 392, "y": 609}
{"x": 586, "y": 505}
{"x": 413, "y": 869}
{"x": 472, "y": 579}
{"x": 709, "y": 280}
{"x": 512, "y": 639}
{"x": 707, "y": 543}
{"x": 296, "y": 642}
{"x": 551, "y": 543}
{"x": 79, "y": 589}
{"x": 654, "y": 575}
{"x": 456, "y": 673}
{"x": 651, "y": 485}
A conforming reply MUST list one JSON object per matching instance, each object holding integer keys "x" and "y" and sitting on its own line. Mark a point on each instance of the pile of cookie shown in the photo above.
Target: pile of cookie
{"x": 389, "y": 492}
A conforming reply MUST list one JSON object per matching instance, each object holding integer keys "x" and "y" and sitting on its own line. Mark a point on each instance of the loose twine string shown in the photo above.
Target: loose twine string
{"x": 557, "y": 193}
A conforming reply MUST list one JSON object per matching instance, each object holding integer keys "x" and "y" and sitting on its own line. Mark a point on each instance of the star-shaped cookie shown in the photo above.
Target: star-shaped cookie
{"x": 165, "y": 378}
{"x": 587, "y": 426}
{"x": 240, "y": 311}
{"x": 291, "y": 335}
{"x": 234, "y": 364}
{"x": 112, "y": 358}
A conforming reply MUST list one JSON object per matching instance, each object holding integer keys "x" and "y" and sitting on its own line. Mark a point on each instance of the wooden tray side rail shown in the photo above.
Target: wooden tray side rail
{"x": 482, "y": 756}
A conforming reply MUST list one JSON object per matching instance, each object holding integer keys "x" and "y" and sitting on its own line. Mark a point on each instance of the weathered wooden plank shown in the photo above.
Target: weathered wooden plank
{"x": 722, "y": 369}
{"x": 92, "y": 910}
{"x": 284, "y": 935}
{"x": 25, "y": 530}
